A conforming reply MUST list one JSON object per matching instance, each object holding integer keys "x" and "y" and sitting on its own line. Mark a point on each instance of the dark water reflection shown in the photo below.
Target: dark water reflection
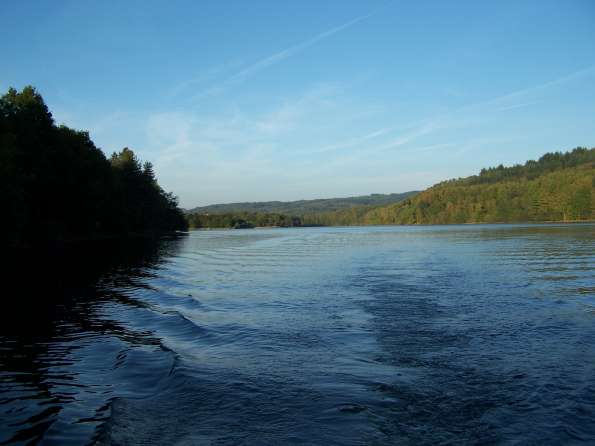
{"x": 57, "y": 337}
{"x": 412, "y": 335}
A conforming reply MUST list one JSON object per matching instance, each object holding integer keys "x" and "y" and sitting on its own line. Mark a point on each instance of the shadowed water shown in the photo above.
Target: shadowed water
{"x": 372, "y": 336}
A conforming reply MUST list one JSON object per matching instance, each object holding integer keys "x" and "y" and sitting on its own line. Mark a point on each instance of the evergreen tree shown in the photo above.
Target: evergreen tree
{"x": 56, "y": 185}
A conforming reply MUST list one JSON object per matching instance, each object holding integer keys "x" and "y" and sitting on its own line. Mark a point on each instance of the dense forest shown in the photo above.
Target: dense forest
{"x": 302, "y": 207}
{"x": 557, "y": 187}
{"x": 55, "y": 185}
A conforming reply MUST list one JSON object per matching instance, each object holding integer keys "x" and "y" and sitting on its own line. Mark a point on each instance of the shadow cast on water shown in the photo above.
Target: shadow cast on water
{"x": 53, "y": 301}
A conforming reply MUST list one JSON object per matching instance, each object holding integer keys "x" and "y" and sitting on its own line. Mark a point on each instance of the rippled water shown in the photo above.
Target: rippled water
{"x": 375, "y": 336}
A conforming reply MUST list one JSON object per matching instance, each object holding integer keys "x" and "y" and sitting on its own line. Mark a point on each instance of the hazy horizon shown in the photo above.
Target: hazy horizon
{"x": 237, "y": 102}
{"x": 305, "y": 199}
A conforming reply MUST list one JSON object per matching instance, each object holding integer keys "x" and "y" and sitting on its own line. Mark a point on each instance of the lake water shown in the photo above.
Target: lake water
{"x": 349, "y": 336}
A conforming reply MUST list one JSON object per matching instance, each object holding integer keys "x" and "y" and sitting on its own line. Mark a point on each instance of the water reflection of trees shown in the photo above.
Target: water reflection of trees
{"x": 53, "y": 305}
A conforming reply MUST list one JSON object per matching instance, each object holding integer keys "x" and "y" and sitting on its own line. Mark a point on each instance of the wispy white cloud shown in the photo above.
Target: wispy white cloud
{"x": 416, "y": 150}
{"x": 209, "y": 75}
{"x": 477, "y": 144}
{"x": 458, "y": 117}
{"x": 275, "y": 58}
{"x": 291, "y": 111}
{"x": 307, "y": 144}
{"x": 401, "y": 139}
{"x": 352, "y": 142}
{"x": 520, "y": 105}
{"x": 226, "y": 148}
{"x": 516, "y": 95}
{"x": 452, "y": 92}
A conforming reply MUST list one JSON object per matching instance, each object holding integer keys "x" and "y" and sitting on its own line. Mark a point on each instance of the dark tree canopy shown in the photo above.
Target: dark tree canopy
{"x": 241, "y": 220}
{"x": 55, "y": 185}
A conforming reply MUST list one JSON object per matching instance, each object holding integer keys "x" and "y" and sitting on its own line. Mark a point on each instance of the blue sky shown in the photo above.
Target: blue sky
{"x": 271, "y": 100}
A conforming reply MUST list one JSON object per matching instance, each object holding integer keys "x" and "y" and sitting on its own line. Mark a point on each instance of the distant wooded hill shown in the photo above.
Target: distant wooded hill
{"x": 557, "y": 187}
{"x": 301, "y": 207}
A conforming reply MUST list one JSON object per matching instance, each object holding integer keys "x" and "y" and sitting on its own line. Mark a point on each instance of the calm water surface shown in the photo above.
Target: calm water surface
{"x": 371, "y": 336}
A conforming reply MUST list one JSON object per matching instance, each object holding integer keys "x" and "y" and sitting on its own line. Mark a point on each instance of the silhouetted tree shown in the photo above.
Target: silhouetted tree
{"x": 56, "y": 185}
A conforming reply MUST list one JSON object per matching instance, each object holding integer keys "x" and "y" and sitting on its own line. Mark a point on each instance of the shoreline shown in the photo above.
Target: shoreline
{"x": 552, "y": 222}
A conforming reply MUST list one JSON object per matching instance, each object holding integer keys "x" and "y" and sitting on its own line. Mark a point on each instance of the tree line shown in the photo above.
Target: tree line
{"x": 242, "y": 220}
{"x": 56, "y": 185}
{"x": 532, "y": 169}
{"x": 302, "y": 207}
{"x": 557, "y": 187}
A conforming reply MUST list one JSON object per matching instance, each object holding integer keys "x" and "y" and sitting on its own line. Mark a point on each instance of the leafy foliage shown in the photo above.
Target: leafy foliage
{"x": 56, "y": 185}
{"x": 557, "y": 187}
{"x": 549, "y": 162}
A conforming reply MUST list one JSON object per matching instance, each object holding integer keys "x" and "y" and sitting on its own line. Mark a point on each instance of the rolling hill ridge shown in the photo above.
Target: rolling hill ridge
{"x": 301, "y": 207}
{"x": 557, "y": 187}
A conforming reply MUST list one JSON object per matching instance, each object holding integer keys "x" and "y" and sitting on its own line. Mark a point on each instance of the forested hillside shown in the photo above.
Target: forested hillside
{"x": 557, "y": 187}
{"x": 302, "y": 207}
{"x": 55, "y": 185}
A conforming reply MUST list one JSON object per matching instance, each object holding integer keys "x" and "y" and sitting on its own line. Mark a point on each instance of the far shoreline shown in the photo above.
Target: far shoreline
{"x": 522, "y": 223}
